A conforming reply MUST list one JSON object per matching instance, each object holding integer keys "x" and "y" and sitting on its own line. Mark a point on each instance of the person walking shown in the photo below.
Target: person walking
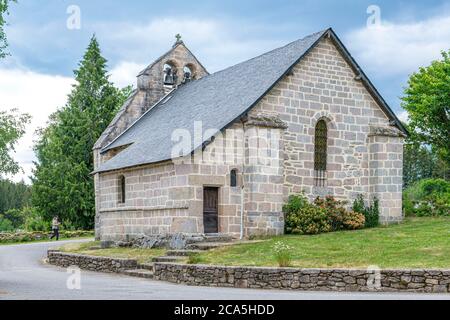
{"x": 55, "y": 228}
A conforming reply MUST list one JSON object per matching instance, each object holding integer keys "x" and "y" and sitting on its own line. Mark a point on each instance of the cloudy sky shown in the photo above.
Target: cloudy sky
{"x": 45, "y": 51}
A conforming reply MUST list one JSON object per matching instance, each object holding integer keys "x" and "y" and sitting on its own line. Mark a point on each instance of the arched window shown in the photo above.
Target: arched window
{"x": 233, "y": 178}
{"x": 320, "y": 153}
{"x": 187, "y": 77}
{"x": 122, "y": 189}
{"x": 170, "y": 74}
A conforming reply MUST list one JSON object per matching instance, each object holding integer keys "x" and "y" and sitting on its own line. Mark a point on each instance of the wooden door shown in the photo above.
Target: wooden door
{"x": 211, "y": 210}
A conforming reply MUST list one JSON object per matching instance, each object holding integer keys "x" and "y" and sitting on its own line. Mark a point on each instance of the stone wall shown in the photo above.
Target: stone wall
{"x": 167, "y": 198}
{"x": 178, "y": 57}
{"x": 437, "y": 281}
{"x": 386, "y": 172}
{"x": 156, "y": 197}
{"x": 430, "y": 281}
{"x": 263, "y": 179}
{"x": 323, "y": 86}
{"x": 99, "y": 264}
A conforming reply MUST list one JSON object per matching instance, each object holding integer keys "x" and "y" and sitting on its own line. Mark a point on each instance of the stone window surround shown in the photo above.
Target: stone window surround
{"x": 122, "y": 188}
{"x": 331, "y": 125}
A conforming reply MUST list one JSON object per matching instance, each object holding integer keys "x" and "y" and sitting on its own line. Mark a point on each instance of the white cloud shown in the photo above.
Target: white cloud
{"x": 399, "y": 49}
{"x": 124, "y": 73}
{"x": 217, "y": 43}
{"x": 403, "y": 116}
{"x": 37, "y": 94}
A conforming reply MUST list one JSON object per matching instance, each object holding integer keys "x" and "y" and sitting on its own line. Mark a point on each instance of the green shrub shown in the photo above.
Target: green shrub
{"x": 295, "y": 203}
{"x": 282, "y": 254}
{"x": 16, "y": 216}
{"x": 305, "y": 218}
{"x": 429, "y": 197}
{"x": 434, "y": 186}
{"x": 329, "y": 214}
{"x": 335, "y": 211}
{"x": 5, "y": 225}
{"x": 371, "y": 213}
{"x": 354, "y": 220}
{"x": 35, "y": 222}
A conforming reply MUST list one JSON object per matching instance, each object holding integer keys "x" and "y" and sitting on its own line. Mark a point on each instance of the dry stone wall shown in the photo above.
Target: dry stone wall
{"x": 436, "y": 281}
{"x": 420, "y": 280}
{"x": 92, "y": 263}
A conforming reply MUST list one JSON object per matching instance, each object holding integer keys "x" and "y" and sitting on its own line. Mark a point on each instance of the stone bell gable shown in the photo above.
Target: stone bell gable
{"x": 173, "y": 69}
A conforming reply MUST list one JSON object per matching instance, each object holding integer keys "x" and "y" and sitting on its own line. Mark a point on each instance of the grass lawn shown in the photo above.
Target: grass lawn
{"x": 416, "y": 243}
{"x": 141, "y": 255}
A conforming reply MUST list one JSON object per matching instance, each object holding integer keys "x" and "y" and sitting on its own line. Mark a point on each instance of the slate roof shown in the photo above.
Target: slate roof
{"x": 217, "y": 100}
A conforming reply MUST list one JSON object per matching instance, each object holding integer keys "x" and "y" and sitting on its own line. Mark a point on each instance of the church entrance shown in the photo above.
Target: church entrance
{"x": 211, "y": 210}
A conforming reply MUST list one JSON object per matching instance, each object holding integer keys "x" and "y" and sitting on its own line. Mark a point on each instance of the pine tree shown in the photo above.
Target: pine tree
{"x": 62, "y": 184}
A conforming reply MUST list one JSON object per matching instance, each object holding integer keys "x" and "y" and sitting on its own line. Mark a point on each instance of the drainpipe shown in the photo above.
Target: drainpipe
{"x": 242, "y": 208}
{"x": 242, "y": 180}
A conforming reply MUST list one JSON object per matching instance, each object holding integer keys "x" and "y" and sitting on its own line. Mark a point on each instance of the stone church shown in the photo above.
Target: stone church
{"x": 198, "y": 153}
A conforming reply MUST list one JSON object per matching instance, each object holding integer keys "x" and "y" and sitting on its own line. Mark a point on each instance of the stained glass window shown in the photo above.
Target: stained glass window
{"x": 320, "y": 153}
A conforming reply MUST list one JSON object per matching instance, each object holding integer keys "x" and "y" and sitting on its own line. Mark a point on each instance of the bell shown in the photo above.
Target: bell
{"x": 168, "y": 77}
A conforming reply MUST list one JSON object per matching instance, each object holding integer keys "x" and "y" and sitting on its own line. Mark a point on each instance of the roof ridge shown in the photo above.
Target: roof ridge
{"x": 268, "y": 52}
{"x": 254, "y": 58}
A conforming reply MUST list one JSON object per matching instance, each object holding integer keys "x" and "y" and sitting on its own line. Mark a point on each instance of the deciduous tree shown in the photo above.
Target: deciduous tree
{"x": 4, "y": 6}
{"x": 12, "y": 128}
{"x": 427, "y": 100}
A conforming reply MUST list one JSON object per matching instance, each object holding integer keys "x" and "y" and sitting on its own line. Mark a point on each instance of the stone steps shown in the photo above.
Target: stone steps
{"x": 146, "y": 266}
{"x": 204, "y": 246}
{"x": 182, "y": 253}
{"x": 217, "y": 238}
{"x": 140, "y": 273}
{"x": 210, "y": 241}
{"x": 169, "y": 259}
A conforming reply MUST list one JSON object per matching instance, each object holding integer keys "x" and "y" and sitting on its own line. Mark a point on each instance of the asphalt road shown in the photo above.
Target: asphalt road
{"x": 24, "y": 276}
